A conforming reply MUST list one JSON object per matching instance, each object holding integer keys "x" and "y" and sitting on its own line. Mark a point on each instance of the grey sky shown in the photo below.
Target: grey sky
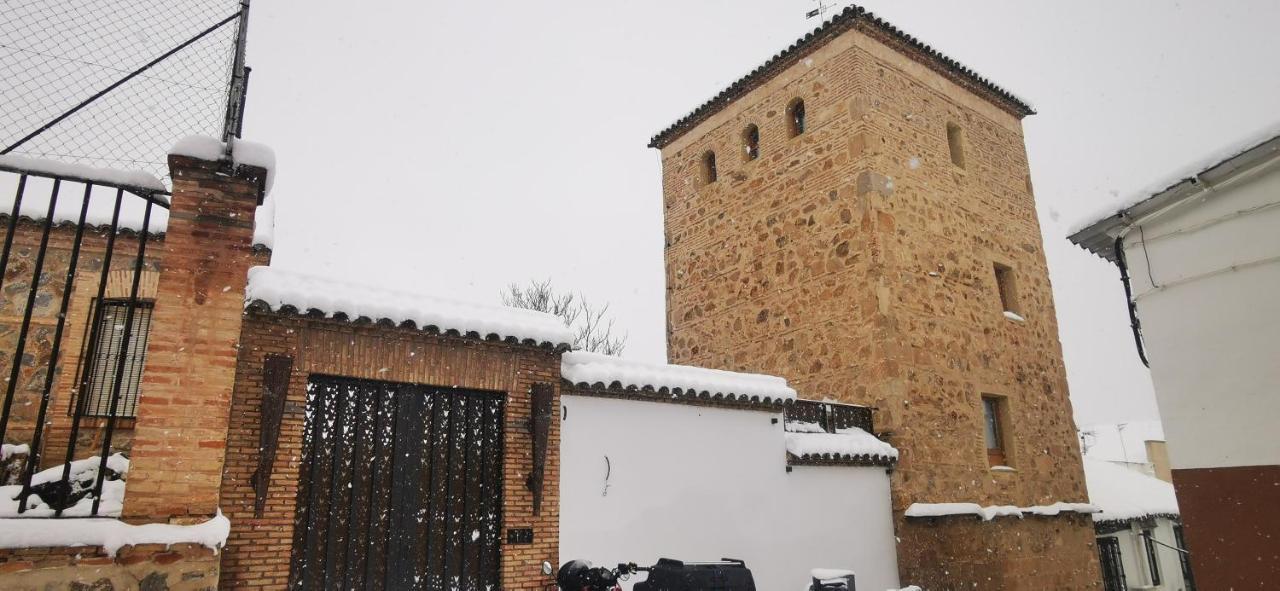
{"x": 455, "y": 147}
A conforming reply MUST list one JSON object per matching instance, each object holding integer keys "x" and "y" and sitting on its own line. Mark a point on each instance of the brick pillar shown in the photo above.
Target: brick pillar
{"x": 181, "y": 430}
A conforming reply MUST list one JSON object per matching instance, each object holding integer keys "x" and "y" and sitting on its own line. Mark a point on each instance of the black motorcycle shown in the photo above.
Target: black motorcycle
{"x": 667, "y": 575}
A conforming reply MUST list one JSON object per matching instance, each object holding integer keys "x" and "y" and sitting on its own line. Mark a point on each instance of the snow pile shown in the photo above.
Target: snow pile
{"x": 1181, "y": 174}
{"x": 826, "y": 574}
{"x": 851, "y": 443}
{"x": 242, "y": 153}
{"x": 83, "y": 474}
{"x": 1123, "y": 494}
{"x": 111, "y": 534}
{"x": 804, "y": 427}
{"x": 994, "y": 511}
{"x": 83, "y": 172}
{"x": 278, "y": 289}
{"x": 1014, "y": 316}
{"x": 593, "y": 369}
{"x": 9, "y": 449}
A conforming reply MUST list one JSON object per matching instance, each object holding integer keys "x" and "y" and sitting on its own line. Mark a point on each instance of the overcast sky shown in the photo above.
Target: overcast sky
{"x": 454, "y": 147}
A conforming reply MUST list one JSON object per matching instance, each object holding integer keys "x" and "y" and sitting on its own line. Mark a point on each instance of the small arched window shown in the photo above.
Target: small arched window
{"x": 709, "y": 174}
{"x": 751, "y": 142}
{"x": 955, "y": 142}
{"x": 795, "y": 117}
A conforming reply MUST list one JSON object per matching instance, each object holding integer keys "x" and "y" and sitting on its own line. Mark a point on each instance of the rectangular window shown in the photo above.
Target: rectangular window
{"x": 1153, "y": 558}
{"x": 106, "y": 354}
{"x": 1112, "y": 567}
{"x": 955, "y": 143}
{"x": 993, "y": 425}
{"x": 1008, "y": 288}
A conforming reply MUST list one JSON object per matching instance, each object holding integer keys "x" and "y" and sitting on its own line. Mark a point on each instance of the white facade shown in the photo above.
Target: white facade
{"x": 1137, "y": 565}
{"x": 699, "y": 483}
{"x": 1206, "y": 279}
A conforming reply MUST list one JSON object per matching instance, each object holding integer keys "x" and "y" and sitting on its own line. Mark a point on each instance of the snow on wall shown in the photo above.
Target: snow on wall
{"x": 277, "y": 288}
{"x": 111, "y": 534}
{"x": 994, "y": 511}
{"x": 589, "y": 369}
{"x": 242, "y": 152}
{"x": 847, "y": 443}
{"x": 702, "y": 483}
{"x": 133, "y": 178}
{"x": 1123, "y": 493}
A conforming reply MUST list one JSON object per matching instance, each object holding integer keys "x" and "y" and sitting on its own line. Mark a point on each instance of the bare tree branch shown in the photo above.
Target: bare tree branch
{"x": 592, "y": 327}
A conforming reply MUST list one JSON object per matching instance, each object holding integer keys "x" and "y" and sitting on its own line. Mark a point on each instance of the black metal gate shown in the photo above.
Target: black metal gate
{"x": 400, "y": 487}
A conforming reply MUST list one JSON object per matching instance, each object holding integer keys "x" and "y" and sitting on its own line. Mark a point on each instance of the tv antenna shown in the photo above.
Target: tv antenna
{"x": 820, "y": 11}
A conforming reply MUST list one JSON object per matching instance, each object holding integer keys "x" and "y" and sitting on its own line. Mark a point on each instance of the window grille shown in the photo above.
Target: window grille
{"x": 105, "y": 357}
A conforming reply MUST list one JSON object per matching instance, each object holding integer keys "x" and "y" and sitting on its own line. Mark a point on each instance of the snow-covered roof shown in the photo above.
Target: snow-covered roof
{"x": 1096, "y": 231}
{"x": 279, "y": 290}
{"x": 991, "y": 512}
{"x": 845, "y": 444}
{"x": 604, "y": 371}
{"x": 1124, "y": 494}
{"x": 83, "y": 172}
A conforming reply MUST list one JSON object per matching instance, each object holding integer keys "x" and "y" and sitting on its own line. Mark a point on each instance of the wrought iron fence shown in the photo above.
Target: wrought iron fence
{"x": 115, "y": 84}
{"x": 77, "y": 277}
{"x": 831, "y": 416}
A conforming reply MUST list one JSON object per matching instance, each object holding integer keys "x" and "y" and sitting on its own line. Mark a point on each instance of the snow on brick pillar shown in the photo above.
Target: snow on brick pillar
{"x": 181, "y": 429}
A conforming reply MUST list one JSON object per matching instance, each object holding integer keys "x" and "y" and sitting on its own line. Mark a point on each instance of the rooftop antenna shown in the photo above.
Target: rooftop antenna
{"x": 820, "y": 11}
{"x": 1120, "y": 431}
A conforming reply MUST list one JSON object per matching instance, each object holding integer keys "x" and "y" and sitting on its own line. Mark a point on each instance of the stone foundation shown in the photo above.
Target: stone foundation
{"x": 149, "y": 567}
{"x": 1006, "y": 554}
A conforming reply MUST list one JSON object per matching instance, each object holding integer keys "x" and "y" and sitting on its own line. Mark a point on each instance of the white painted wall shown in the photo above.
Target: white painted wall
{"x": 695, "y": 483}
{"x": 1213, "y": 325}
{"x": 1133, "y": 555}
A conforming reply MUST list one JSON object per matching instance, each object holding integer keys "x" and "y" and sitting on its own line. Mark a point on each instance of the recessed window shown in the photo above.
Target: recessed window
{"x": 795, "y": 118}
{"x": 1112, "y": 564}
{"x": 709, "y": 172}
{"x": 751, "y": 142}
{"x": 993, "y": 422}
{"x": 1008, "y": 288}
{"x": 109, "y": 353}
{"x": 1153, "y": 560}
{"x": 955, "y": 141}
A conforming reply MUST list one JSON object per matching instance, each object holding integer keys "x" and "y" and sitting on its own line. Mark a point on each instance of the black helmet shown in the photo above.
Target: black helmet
{"x": 577, "y": 575}
{"x": 574, "y": 575}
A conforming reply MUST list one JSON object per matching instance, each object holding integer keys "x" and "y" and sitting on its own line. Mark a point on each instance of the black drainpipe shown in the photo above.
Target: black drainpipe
{"x": 1128, "y": 300}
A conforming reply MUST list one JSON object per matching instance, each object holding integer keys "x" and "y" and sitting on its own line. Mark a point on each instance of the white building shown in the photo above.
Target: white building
{"x": 1140, "y": 541}
{"x": 1200, "y": 259}
{"x": 667, "y": 461}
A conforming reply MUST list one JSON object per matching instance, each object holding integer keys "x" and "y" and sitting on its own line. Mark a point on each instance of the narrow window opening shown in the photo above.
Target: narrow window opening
{"x": 106, "y": 359}
{"x": 751, "y": 142}
{"x": 796, "y": 118}
{"x": 993, "y": 427}
{"x": 1112, "y": 565}
{"x": 1008, "y": 288}
{"x": 1153, "y": 559}
{"x": 955, "y": 141}
{"x": 709, "y": 173}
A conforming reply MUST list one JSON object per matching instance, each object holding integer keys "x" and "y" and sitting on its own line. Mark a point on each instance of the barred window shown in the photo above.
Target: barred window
{"x": 795, "y": 118}
{"x": 106, "y": 353}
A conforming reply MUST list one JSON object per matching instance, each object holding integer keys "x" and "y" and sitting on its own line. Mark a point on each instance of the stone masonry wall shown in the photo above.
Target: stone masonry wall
{"x": 259, "y": 548}
{"x": 39, "y": 346}
{"x": 149, "y": 567}
{"x": 858, "y": 261}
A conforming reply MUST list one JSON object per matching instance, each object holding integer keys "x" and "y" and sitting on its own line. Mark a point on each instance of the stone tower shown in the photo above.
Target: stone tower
{"x": 857, "y": 215}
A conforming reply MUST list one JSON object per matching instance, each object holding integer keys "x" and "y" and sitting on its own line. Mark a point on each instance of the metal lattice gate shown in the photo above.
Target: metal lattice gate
{"x": 400, "y": 488}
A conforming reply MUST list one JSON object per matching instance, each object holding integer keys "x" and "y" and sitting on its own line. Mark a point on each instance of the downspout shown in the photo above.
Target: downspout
{"x": 1128, "y": 300}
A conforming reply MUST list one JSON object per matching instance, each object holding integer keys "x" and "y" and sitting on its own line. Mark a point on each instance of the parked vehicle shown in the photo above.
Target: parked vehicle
{"x": 667, "y": 575}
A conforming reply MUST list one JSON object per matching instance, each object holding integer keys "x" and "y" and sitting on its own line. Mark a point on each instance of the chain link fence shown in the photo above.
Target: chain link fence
{"x": 115, "y": 83}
